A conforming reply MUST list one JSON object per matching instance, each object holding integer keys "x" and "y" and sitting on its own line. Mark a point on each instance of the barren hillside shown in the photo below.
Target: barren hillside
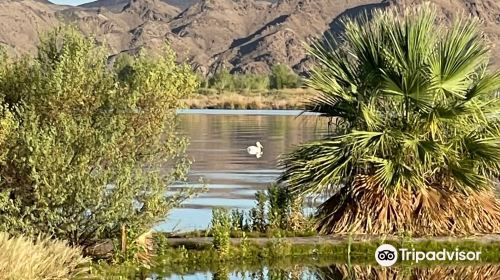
{"x": 239, "y": 35}
{"x": 22, "y": 21}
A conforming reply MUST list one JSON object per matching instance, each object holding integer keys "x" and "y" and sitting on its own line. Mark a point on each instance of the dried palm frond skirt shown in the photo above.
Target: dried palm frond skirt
{"x": 433, "y": 211}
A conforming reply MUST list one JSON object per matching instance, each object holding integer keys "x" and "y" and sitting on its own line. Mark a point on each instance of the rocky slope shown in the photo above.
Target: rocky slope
{"x": 22, "y": 21}
{"x": 239, "y": 35}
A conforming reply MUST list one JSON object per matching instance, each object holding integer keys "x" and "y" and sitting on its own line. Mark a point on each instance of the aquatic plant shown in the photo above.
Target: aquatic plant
{"x": 277, "y": 209}
{"x": 244, "y": 245}
{"x": 258, "y": 213}
{"x": 222, "y": 273}
{"x": 276, "y": 255}
{"x": 238, "y": 220}
{"x": 279, "y": 205}
{"x": 416, "y": 146}
{"x": 220, "y": 230}
{"x": 275, "y": 213}
{"x": 278, "y": 247}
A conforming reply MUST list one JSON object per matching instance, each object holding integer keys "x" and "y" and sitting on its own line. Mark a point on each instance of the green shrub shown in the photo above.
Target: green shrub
{"x": 22, "y": 258}
{"x": 221, "y": 273}
{"x": 258, "y": 213}
{"x": 279, "y": 206}
{"x": 283, "y": 77}
{"x": 276, "y": 209}
{"x": 123, "y": 66}
{"x": 203, "y": 82}
{"x": 237, "y": 219}
{"x": 221, "y": 230}
{"x": 222, "y": 81}
{"x": 87, "y": 150}
{"x": 161, "y": 244}
{"x": 247, "y": 82}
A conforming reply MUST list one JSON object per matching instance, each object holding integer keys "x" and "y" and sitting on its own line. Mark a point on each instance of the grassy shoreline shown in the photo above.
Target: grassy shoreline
{"x": 198, "y": 255}
{"x": 204, "y": 241}
{"x": 285, "y": 99}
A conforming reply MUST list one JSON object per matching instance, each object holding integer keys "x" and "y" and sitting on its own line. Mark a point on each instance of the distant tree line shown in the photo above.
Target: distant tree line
{"x": 281, "y": 77}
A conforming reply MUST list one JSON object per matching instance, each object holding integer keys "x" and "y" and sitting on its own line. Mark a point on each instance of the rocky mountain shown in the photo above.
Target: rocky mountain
{"x": 109, "y": 4}
{"x": 181, "y": 4}
{"x": 22, "y": 21}
{"x": 240, "y": 35}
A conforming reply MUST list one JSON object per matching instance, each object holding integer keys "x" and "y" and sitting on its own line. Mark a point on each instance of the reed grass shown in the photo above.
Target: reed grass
{"x": 22, "y": 258}
{"x": 285, "y": 99}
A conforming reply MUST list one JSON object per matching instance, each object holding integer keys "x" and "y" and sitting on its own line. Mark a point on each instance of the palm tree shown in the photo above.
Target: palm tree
{"x": 417, "y": 142}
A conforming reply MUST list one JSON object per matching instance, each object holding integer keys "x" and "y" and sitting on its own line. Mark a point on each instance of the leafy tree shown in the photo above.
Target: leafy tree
{"x": 283, "y": 77}
{"x": 417, "y": 142}
{"x": 247, "y": 82}
{"x": 90, "y": 152}
{"x": 123, "y": 66}
{"x": 222, "y": 81}
{"x": 203, "y": 82}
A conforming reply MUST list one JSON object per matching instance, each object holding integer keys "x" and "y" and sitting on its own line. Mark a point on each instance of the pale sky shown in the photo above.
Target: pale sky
{"x": 70, "y": 2}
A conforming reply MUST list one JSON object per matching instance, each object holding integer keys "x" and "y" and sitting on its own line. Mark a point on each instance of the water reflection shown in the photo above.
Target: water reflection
{"x": 472, "y": 272}
{"x": 345, "y": 272}
{"x": 218, "y": 147}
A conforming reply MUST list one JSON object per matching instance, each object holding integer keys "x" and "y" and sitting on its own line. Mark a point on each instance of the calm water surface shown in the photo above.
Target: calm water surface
{"x": 335, "y": 271}
{"x": 218, "y": 148}
{"x": 219, "y": 139}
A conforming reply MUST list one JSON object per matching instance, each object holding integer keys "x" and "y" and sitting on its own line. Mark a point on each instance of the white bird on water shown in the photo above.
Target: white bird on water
{"x": 256, "y": 150}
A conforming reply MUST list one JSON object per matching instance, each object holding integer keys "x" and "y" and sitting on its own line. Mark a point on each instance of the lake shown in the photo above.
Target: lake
{"x": 218, "y": 143}
{"x": 219, "y": 139}
{"x": 297, "y": 270}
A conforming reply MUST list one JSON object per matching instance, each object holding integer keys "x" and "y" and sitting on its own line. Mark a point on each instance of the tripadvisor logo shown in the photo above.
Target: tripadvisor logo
{"x": 387, "y": 255}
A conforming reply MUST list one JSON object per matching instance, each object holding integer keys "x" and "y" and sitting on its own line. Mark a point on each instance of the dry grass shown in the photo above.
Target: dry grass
{"x": 283, "y": 99}
{"x": 22, "y": 258}
{"x": 470, "y": 272}
{"x": 435, "y": 211}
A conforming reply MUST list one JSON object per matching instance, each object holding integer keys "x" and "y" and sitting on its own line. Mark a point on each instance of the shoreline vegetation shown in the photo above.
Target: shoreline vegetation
{"x": 39, "y": 258}
{"x": 189, "y": 239}
{"x": 194, "y": 255}
{"x": 282, "y": 99}
{"x": 281, "y": 89}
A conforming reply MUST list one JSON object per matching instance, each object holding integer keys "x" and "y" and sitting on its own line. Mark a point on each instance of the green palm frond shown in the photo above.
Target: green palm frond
{"x": 485, "y": 85}
{"x": 459, "y": 54}
{"x": 332, "y": 106}
{"x": 317, "y": 166}
{"x": 420, "y": 107}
